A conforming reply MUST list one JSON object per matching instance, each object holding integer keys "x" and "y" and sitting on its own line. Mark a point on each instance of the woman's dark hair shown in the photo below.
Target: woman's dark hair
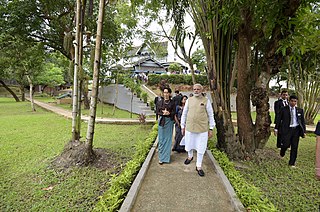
{"x": 169, "y": 89}
{"x": 180, "y": 103}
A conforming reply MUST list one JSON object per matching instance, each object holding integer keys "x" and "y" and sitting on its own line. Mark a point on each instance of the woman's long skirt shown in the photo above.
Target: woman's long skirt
{"x": 165, "y": 140}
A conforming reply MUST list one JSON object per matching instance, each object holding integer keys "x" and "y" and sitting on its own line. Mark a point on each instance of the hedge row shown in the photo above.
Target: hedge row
{"x": 120, "y": 184}
{"x": 154, "y": 79}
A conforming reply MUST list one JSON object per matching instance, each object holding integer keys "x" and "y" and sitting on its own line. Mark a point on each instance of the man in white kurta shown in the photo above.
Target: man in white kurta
{"x": 197, "y": 123}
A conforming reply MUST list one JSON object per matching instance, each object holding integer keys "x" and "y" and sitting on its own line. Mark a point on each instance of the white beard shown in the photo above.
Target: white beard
{"x": 196, "y": 94}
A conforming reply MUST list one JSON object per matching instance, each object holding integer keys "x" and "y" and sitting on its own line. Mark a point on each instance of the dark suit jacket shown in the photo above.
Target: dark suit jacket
{"x": 284, "y": 118}
{"x": 277, "y": 107}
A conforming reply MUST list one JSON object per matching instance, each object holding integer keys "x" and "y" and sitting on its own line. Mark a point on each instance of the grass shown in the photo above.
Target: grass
{"x": 30, "y": 141}
{"x": 289, "y": 189}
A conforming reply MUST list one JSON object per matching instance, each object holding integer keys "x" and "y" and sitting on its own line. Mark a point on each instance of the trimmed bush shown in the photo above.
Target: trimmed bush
{"x": 152, "y": 105}
{"x": 144, "y": 96}
{"x": 154, "y": 79}
{"x": 120, "y": 184}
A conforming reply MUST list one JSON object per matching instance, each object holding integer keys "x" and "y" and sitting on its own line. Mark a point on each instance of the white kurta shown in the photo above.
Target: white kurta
{"x": 197, "y": 141}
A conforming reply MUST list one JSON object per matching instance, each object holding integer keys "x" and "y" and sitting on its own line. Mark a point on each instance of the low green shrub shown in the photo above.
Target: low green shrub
{"x": 152, "y": 105}
{"x": 144, "y": 97}
{"x": 250, "y": 196}
{"x": 138, "y": 90}
{"x": 154, "y": 79}
{"x": 120, "y": 184}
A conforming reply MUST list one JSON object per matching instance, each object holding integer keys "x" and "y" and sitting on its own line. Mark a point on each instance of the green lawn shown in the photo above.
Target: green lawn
{"x": 28, "y": 143}
{"x": 289, "y": 189}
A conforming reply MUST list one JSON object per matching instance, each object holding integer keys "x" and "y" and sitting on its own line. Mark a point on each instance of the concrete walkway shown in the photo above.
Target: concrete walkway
{"x": 68, "y": 114}
{"x": 178, "y": 187}
{"x": 125, "y": 99}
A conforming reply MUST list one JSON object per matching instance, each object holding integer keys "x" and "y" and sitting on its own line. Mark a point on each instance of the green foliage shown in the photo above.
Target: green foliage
{"x": 144, "y": 96}
{"x": 138, "y": 90}
{"x": 175, "y": 67}
{"x": 51, "y": 76}
{"x": 152, "y": 105}
{"x": 302, "y": 64}
{"x": 199, "y": 59}
{"x": 154, "y": 79}
{"x": 129, "y": 83}
{"x": 120, "y": 184}
{"x": 250, "y": 196}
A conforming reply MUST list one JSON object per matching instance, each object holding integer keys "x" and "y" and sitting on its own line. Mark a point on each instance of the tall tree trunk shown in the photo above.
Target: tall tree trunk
{"x": 31, "y": 93}
{"x": 10, "y": 91}
{"x": 95, "y": 84}
{"x": 43, "y": 87}
{"x": 116, "y": 98}
{"x": 23, "y": 97}
{"x": 234, "y": 73}
{"x": 79, "y": 105}
{"x": 75, "y": 98}
{"x": 244, "y": 120}
{"x": 192, "y": 73}
{"x": 86, "y": 100}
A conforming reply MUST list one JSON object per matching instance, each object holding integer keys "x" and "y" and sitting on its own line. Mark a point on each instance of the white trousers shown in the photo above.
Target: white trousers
{"x": 199, "y": 158}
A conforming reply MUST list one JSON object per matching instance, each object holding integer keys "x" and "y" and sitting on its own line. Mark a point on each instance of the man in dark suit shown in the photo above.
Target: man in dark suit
{"x": 290, "y": 123}
{"x": 177, "y": 98}
{"x": 280, "y": 103}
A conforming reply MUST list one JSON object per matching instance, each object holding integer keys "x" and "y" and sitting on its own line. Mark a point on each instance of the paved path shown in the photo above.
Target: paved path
{"x": 68, "y": 114}
{"x": 107, "y": 94}
{"x": 178, "y": 187}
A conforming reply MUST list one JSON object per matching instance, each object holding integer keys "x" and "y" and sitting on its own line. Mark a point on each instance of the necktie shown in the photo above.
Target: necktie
{"x": 291, "y": 114}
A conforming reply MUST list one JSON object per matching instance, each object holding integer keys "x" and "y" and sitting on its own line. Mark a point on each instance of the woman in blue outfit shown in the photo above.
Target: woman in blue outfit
{"x": 166, "y": 113}
{"x": 179, "y": 108}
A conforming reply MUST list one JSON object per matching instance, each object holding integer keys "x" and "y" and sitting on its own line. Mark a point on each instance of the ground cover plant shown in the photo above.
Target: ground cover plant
{"x": 31, "y": 140}
{"x": 288, "y": 189}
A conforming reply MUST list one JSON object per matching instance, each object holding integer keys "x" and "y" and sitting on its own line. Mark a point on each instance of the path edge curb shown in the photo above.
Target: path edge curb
{"x": 135, "y": 187}
{"x": 237, "y": 204}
